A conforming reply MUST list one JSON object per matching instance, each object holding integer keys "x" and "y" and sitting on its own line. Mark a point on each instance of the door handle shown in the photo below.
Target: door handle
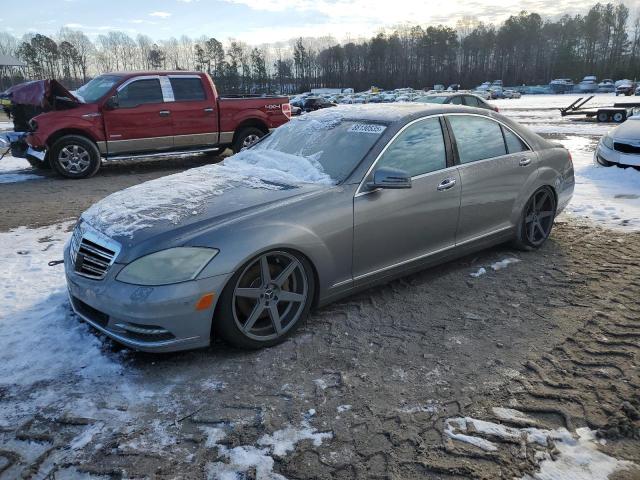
{"x": 165, "y": 113}
{"x": 524, "y": 162}
{"x": 446, "y": 184}
{"x": 209, "y": 110}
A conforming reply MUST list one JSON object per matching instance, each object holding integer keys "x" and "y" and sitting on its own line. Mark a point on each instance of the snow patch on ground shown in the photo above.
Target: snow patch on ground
{"x": 503, "y": 263}
{"x": 14, "y": 170}
{"x": 176, "y": 197}
{"x": 39, "y": 338}
{"x": 481, "y": 271}
{"x": 243, "y": 458}
{"x": 609, "y": 196}
{"x": 578, "y": 459}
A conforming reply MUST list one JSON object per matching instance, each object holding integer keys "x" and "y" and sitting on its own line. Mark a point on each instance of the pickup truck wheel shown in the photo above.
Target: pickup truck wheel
{"x": 247, "y": 137}
{"x": 73, "y": 156}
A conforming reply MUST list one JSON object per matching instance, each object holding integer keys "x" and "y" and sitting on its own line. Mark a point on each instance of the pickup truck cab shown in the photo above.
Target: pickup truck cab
{"x": 143, "y": 114}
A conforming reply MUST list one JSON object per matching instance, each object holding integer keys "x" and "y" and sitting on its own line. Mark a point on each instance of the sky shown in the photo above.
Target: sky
{"x": 263, "y": 21}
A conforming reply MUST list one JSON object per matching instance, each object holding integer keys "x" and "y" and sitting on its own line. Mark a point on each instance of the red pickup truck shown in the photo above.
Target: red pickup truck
{"x": 141, "y": 114}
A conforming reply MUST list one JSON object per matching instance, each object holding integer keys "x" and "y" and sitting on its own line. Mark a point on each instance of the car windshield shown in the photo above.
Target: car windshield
{"x": 96, "y": 88}
{"x": 433, "y": 99}
{"x": 333, "y": 144}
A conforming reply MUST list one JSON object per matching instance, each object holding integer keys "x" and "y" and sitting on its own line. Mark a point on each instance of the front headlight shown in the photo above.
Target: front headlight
{"x": 607, "y": 141}
{"x": 173, "y": 265}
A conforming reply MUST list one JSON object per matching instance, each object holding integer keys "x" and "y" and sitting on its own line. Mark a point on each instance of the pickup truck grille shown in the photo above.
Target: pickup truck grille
{"x": 626, "y": 148}
{"x": 92, "y": 253}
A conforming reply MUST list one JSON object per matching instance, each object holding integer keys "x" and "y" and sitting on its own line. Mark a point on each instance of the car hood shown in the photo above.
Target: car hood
{"x": 629, "y": 130}
{"x": 40, "y": 93}
{"x": 175, "y": 210}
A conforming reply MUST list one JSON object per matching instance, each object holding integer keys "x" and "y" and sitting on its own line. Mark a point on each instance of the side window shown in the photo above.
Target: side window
{"x": 186, "y": 89}
{"x": 419, "y": 149}
{"x": 477, "y": 138}
{"x": 140, "y": 92}
{"x": 457, "y": 100}
{"x": 471, "y": 101}
{"x": 514, "y": 144}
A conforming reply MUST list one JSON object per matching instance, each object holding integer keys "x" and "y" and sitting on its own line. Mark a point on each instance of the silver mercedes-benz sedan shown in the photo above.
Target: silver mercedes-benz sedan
{"x": 332, "y": 202}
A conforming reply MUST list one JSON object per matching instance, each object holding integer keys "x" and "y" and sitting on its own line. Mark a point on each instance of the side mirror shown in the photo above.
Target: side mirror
{"x": 386, "y": 177}
{"x": 112, "y": 103}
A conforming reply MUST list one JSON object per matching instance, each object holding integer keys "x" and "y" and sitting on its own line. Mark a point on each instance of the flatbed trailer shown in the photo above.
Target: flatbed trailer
{"x": 616, "y": 113}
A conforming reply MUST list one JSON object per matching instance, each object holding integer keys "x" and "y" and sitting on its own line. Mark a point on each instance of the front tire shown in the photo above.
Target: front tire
{"x": 266, "y": 300}
{"x": 536, "y": 220}
{"x": 74, "y": 156}
{"x": 246, "y": 137}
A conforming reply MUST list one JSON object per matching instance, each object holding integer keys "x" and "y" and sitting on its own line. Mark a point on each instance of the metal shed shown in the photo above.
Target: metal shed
{"x": 12, "y": 70}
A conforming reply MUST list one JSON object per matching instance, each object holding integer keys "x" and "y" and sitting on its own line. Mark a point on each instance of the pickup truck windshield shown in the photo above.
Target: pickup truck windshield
{"x": 96, "y": 88}
{"x": 337, "y": 145}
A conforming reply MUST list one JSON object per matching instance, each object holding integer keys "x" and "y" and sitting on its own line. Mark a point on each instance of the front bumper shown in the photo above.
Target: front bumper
{"x": 615, "y": 156}
{"x": 149, "y": 319}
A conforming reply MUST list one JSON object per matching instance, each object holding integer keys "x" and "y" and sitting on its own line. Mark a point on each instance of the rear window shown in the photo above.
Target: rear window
{"x": 187, "y": 89}
{"x": 477, "y": 138}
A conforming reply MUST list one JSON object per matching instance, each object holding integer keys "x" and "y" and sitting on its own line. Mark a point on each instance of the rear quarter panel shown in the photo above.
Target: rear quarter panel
{"x": 234, "y": 111}
{"x": 556, "y": 170}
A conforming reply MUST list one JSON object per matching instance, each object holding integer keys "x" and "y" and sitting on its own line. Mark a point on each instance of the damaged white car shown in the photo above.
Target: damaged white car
{"x": 620, "y": 146}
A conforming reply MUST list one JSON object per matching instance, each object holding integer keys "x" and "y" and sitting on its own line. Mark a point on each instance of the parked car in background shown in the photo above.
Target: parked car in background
{"x": 511, "y": 94}
{"x": 606, "y": 86}
{"x": 621, "y": 145}
{"x": 141, "y": 114}
{"x": 343, "y": 199}
{"x": 311, "y": 104}
{"x": 467, "y": 99}
{"x": 626, "y": 87}
{"x": 484, "y": 94}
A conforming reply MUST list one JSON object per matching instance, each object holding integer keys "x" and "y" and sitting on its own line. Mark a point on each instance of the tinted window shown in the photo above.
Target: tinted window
{"x": 514, "y": 144}
{"x": 471, "y": 101}
{"x": 456, "y": 100}
{"x": 140, "y": 92}
{"x": 185, "y": 89}
{"x": 419, "y": 149}
{"x": 477, "y": 138}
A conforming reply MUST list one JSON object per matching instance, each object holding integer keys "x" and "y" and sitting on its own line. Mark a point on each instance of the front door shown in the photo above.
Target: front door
{"x": 141, "y": 121}
{"x": 393, "y": 228}
{"x": 195, "y": 119}
{"x": 495, "y": 165}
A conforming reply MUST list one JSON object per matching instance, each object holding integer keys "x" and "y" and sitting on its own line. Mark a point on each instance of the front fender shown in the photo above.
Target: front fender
{"x": 53, "y": 123}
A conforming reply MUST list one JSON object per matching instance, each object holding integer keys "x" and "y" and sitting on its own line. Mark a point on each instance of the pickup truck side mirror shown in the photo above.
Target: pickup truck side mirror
{"x": 112, "y": 103}
{"x": 386, "y": 177}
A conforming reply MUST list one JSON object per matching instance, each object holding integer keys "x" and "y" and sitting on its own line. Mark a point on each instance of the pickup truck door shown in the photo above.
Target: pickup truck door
{"x": 195, "y": 119}
{"x": 141, "y": 121}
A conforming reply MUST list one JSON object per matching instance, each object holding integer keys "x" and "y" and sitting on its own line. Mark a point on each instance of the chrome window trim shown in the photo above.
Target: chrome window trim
{"x": 435, "y": 252}
{"x": 359, "y": 191}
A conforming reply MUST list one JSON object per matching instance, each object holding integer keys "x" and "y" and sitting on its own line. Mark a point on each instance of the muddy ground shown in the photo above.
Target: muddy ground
{"x": 555, "y": 335}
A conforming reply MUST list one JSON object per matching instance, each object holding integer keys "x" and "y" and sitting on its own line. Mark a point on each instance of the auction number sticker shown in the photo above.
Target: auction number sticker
{"x": 367, "y": 128}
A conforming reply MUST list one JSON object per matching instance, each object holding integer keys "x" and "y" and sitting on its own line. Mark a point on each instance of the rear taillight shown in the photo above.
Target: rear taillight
{"x": 286, "y": 109}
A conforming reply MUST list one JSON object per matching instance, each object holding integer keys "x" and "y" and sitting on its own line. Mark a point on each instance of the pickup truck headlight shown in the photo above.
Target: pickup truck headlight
{"x": 165, "y": 267}
{"x": 607, "y": 141}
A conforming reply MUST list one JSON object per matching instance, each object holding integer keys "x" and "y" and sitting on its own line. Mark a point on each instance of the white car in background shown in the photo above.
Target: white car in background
{"x": 620, "y": 146}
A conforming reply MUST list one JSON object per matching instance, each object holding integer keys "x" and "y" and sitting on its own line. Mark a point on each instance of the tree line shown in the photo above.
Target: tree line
{"x": 525, "y": 49}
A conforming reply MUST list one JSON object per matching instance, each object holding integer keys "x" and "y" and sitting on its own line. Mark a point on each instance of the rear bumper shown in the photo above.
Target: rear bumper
{"x": 149, "y": 319}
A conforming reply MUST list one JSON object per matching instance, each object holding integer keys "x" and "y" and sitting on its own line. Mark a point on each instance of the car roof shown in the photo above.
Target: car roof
{"x": 392, "y": 113}
{"x": 153, "y": 72}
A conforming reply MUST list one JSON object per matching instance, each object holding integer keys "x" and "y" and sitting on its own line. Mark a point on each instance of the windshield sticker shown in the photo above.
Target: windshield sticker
{"x": 367, "y": 128}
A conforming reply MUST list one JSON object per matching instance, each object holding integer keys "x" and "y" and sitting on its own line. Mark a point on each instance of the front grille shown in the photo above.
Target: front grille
{"x": 92, "y": 253}
{"x": 626, "y": 148}
{"x": 90, "y": 313}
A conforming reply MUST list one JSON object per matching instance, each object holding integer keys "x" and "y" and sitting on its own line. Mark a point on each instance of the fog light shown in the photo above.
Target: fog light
{"x": 205, "y": 302}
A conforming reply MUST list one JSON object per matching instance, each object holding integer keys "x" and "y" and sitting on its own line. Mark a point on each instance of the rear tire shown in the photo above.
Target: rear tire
{"x": 246, "y": 137}
{"x": 536, "y": 220}
{"x": 264, "y": 303}
{"x": 74, "y": 156}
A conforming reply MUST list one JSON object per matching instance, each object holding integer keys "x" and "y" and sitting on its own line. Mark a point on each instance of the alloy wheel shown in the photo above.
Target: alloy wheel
{"x": 249, "y": 140}
{"x": 539, "y": 217}
{"x": 74, "y": 159}
{"x": 270, "y": 296}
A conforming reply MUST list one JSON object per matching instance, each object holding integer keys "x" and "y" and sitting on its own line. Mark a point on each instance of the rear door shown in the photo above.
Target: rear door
{"x": 195, "y": 120}
{"x": 141, "y": 122}
{"x": 492, "y": 177}
{"x": 396, "y": 227}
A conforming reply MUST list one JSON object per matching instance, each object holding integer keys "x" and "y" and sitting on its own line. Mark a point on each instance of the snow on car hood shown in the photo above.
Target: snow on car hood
{"x": 629, "y": 130}
{"x": 175, "y": 198}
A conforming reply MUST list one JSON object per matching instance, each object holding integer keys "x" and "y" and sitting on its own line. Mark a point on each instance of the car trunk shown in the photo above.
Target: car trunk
{"x": 29, "y": 99}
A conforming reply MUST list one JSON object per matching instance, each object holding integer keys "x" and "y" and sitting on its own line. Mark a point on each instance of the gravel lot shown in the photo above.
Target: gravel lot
{"x": 369, "y": 388}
